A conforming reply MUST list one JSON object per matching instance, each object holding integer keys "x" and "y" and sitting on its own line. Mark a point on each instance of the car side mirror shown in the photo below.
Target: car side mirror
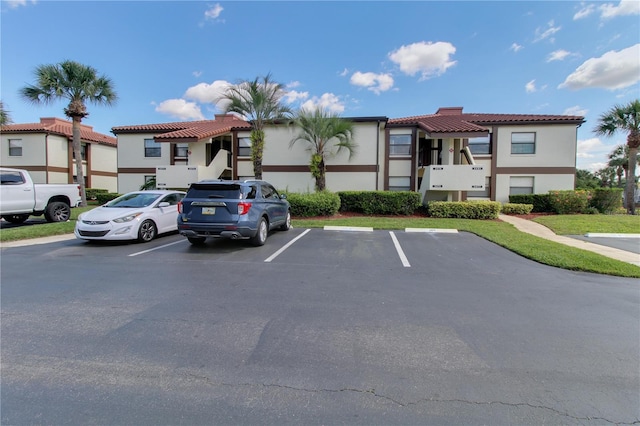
{"x": 164, "y": 204}
{"x": 283, "y": 196}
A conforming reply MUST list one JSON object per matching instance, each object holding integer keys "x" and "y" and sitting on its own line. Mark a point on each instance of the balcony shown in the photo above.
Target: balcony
{"x": 453, "y": 178}
{"x": 183, "y": 176}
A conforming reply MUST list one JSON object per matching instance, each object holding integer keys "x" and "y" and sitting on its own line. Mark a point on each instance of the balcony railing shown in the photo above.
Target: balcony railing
{"x": 453, "y": 178}
{"x": 183, "y": 176}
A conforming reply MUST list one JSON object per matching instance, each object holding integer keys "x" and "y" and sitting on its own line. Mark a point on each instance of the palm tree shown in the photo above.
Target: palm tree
{"x": 78, "y": 84}
{"x": 619, "y": 160}
{"x": 259, "y": 101}
{"x": 327, "y": 135}
{"x": 606, "y": 176}
{"x": 5, "y": 118}
{"x": 625, "y": 118}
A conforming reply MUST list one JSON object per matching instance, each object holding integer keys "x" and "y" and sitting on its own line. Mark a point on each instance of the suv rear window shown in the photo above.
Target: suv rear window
{"x": 217, "y": 190}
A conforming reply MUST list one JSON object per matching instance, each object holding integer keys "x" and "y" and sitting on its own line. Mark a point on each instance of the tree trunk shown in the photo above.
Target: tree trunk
{"x": 257, "y": 149}
{"x": 631, "y": 181}
{"x": 321, "y": 179}
{"x": 77, "y": 152}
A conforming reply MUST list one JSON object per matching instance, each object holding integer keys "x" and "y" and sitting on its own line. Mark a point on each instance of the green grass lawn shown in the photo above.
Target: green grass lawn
{"x": 501, "y": 233}
{"x": 580, "y": 224}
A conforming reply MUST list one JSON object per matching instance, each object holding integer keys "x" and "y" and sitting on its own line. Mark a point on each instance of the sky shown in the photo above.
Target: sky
{"x": 170, "y": 60}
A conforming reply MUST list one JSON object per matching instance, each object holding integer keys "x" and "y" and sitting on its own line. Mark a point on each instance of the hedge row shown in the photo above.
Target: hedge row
{"x": 314, "y": 204}
{"x": 464, "y": 209}
{"x": 92, "y": 193}
{"x": 380, "y": 202}
{"x": 603, "y": 200}
{"x": 105, "y": 197}
{"x": 512, "y": 208}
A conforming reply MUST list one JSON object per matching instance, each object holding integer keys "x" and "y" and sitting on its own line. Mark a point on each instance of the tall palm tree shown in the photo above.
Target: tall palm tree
{"x": 624, "y": 118}
{"x": 79, "y": 84}
{"x": 5, "y": 118}
{"x": 327, "y": 135}
{"x": 259, "y": 101}
{"x": 619, "y": 160}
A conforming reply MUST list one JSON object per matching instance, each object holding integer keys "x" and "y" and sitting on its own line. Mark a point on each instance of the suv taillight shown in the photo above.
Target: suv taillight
{"x": 179, "y": 206}
{"x": 243, "y": 207}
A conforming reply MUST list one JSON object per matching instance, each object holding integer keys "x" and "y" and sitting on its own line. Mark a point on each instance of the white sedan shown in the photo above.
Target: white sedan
{"x": 139, "y": 215}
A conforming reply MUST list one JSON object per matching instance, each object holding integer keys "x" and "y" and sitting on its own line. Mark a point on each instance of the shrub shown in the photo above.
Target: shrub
{"x": 380, "y": 202}
{"x": 323, "y": 203}
{"x": 513, "y": 208}
{"x": 592, "y": 210}
{"x": 105, "y": 197}
{"x": 540, "y": 202}
{"x": 92, "y": 193}
{"x": 606, "y": 200}
{"x": 569, "y": 202}
{"x": 464, "y": 209}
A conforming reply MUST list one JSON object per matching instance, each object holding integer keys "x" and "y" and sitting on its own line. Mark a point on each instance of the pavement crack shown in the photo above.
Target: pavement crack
{"x": 399, "y": 403}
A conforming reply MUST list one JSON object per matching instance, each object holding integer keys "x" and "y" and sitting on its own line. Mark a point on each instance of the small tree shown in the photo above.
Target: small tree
{"x": 78, "y": 84}
{"x": 625, "y": 118}
{"x": 327, "y": 134}
{"x": 586, "y": 180}
{"x": 259, "y": 101}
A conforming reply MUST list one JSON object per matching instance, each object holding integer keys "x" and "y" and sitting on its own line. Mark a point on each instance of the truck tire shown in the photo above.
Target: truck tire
{"x": 57, "y": 211}
{"x": 15, "y": 218}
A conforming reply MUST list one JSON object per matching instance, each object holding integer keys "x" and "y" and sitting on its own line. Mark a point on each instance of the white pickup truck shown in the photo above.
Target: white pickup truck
{"x": 21, "y": 198}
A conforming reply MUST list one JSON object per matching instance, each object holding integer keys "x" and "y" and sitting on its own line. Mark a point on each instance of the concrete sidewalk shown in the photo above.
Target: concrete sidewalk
{"x": 533, "y": 228}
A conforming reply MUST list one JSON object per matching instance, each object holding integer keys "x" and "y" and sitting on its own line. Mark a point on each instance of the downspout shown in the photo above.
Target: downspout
{"x": 378, "y": 154}
{"x": 46, "y": 157}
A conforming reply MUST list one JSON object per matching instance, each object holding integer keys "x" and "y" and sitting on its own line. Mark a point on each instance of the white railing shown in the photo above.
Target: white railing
{"x": 183, "y": 176}
{"x": 453, "y": 178}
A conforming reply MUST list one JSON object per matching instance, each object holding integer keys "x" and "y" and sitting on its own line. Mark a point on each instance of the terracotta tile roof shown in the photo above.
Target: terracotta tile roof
{"x": 58, "y": 126}
{"x": 453, "y": 120}
{"x": 188, "y": 131}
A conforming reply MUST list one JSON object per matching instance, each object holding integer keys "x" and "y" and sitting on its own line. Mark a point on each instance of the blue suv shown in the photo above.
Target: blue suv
{"x": 232, "y": 209}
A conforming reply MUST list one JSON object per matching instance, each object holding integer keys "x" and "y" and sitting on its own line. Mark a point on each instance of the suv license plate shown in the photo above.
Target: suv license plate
{"x": 208, "y": 210}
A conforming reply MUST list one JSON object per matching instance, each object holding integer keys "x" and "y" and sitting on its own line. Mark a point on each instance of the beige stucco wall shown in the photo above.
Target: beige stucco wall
{"x": 105, "y": 182}
{"x": 131, "y": 152}
{"x": 58, "y": 151}
{"x": 128, "y": 182}
{"x": 33, "y": 150}
{"x": 55, "y": 177}
{"x": 104, "y": 158}
{"x": 555, "y": 146}
{"x": 541, "y": 184}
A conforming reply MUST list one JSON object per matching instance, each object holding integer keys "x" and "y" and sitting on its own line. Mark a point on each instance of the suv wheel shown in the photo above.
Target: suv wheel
{"x": 261, "y": 236}
{"x": 287, "y": 222}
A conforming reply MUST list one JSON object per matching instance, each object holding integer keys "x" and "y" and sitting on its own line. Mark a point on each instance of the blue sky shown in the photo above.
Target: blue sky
{"x": 170, "y": 59}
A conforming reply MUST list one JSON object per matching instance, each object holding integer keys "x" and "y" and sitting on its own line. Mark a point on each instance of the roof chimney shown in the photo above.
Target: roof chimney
{"x": 449, "y": 111}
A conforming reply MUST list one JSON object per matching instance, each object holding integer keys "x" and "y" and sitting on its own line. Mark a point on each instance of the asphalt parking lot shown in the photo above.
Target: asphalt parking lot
{"x": 315, "y": 327}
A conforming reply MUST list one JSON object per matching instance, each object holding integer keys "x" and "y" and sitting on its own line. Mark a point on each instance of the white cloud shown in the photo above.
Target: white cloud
{"x": 558, "y": 55}
{"x": 625, "y": 7}
{"x": 591, "y": 148}
{"x": 427, "y": 58}
{"x": 13, "y": 4}
{"x": 516, "y": 47}
{"x": 576, "y": 110}
{"x": 584, "y": 12}
{"x": 293, "y": 85}
{"x": 544, "y": 33}
{"x": 377, "y": 83}
{"x": 328, "y": 101}
{"x": 197, "y": 74}
{"x": 530, "y": 87}
{"x": 181, "y": 109}
{"x": 344, "y": 72}
{"x": 613, "y": 70}
{"x": 293, "y": 96}
{"x": 214, "y": 12}
{"x": 207, "y": 93}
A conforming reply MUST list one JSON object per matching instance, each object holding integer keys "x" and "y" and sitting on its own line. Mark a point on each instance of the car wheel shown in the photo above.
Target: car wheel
{"x": 147, "y": 231}
{"x": 261, "y": 236}
{"x": 287, "y": 222}
{"x": 196, "y": 241}
{"x": 57, "y": 212}
{"x": 15, "y": 218}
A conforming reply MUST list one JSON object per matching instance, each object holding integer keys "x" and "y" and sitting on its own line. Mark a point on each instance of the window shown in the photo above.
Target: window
{"x": 244, "y": 147}
{"x": 83, "y": 152}
{"x": 399, "y": 183}
{"x": 482, "y": 194}
{"x": 172, "y": 199}
{"x": 11, "y": 178}
{"x": 399, "y": 145}
{"x": 151, "y": 148}
{"x": 523, "y": 143}
{"x": 269, "y": 191}
{"x": 520, "y": 185}
{"x": 480, "y": 146}
{"x": 180, "y": 150}
{"x": 15, "y": 147}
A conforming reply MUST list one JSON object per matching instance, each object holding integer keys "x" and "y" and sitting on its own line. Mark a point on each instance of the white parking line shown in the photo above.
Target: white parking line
{"x": 403, "y": 258}
{"x": 157, "y": 248}
{"x": 348, "y": 228}
{"x": 432, "y": 230}
{"x": 286, "y": 246}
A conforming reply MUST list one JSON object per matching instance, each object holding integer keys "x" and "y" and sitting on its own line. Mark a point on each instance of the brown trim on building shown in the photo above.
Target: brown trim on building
{"x": 46, "y": 156}
{"x": 234, "y": 154}
{"x": 494, "y": 162}
{"x": 372, "y": 168}
{"x": 137, "y": 170}
{"x": 172, "y": 152}
{"x": 414, "y": 157}
{"x": 535, "y": 171}
{"x": 87, "y": 153}
{"x": 105, "y": 174}
{"x": 51, "y": 169}
{"x": 387, "y": 135}
{"x": 70, "y": 161}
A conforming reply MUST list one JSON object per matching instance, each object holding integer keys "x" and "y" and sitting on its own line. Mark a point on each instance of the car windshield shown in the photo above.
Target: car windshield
{"x": 212, "y": 190}
{"x": 133, "y": 200}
